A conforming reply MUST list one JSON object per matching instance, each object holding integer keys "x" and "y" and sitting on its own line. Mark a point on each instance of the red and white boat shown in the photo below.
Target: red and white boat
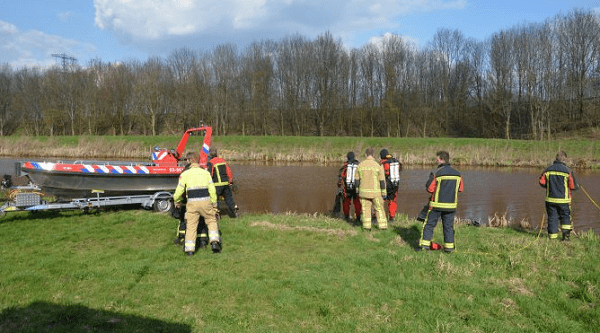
{"x": 81, "y": 179}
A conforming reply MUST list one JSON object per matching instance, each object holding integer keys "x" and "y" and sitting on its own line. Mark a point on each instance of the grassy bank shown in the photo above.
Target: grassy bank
{"x": 119, "y": 272}
{"x": 584, "y": 152}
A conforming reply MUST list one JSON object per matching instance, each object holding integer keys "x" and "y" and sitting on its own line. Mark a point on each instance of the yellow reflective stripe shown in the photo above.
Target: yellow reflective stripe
{"x": 557, "y": 200}
{"x": 219, "y": 181}
{"x": 566, "y": 226}
{"x": 557, "y": 173}
{"x": 448, "y": 205}
{"x": 370, "y": 191}
{"x": 421, "y": 240}
{"x": 449, "y": 245}
{"x": 190, "y": 246}
{"x": 553, "y": 236}
{"x": 444, "y": 205}
{"x": 565, "y": 176}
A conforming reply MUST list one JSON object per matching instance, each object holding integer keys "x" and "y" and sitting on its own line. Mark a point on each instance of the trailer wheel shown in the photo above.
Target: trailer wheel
{"x": 163, "y": 205}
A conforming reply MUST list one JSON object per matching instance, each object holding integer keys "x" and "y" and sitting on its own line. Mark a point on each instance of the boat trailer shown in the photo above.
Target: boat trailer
{"x": 29, "y": 198}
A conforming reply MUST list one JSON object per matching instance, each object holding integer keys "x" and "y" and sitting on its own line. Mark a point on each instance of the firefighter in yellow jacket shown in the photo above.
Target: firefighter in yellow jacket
{"x": 198, "y": 186}
{"x": 370, "y": 181}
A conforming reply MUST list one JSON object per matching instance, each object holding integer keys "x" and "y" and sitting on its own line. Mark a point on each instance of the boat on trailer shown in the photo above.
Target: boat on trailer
{"x": 80, "y": 179}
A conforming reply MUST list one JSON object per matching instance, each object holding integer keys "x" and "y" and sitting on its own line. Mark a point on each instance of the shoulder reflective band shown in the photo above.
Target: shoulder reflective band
{"x": 565, "y": 177}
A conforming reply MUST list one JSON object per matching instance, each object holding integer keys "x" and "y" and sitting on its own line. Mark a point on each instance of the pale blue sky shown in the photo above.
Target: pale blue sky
{"x": 122, "y": 30}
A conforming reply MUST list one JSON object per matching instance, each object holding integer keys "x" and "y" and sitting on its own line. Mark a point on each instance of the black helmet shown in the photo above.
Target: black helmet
{"x": 350, "y": 156}
{"x": 383, "y": 153}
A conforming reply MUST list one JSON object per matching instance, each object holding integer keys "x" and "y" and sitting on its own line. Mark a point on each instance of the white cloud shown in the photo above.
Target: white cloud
{"x": 35, "y": 48}
{"x": 150, "y": 21}
{"x": 7, "y": 29}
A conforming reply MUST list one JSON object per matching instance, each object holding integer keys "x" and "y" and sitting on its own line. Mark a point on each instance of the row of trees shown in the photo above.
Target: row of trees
{"x": 529, "y": 81}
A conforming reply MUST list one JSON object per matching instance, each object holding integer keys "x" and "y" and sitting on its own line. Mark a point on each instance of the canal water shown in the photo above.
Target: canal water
{"x": 509, "y": 193}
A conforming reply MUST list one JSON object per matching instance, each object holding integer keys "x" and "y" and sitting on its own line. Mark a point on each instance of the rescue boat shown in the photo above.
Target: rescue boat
{"x": 83, "y": 179}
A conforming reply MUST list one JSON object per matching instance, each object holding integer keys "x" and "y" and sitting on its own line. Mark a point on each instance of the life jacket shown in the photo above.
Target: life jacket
{"x": 348, "y": 173}
{"x": 392, "y": 171}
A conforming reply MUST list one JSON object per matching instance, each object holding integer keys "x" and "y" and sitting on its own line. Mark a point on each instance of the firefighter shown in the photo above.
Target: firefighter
{"x": 347, "y": 184}
{"x": 180, "y": 215}
{"x": 443, "y": 184}
{"x": 559, "y": 181}
{"x": 370, "y": 181}
{"x": 392, "y": 168}
{"x": 201, "y": 195}
{"x": 223, "y": 180}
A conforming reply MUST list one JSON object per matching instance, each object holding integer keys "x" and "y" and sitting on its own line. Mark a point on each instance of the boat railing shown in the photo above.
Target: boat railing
{"x": 126, "y": 163}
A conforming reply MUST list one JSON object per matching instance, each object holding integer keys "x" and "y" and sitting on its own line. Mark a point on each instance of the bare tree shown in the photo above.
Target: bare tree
{"x": 150, "y": 94}
{"x": 182, "y": 64}
{"x": 394, "y": 56}
{"x": 579, "y": 41}
{"x": 449, "y": 46}
{"x": 501, "y": 77}
{"x": 225, "y": 68}
{"x": 6, "y": 76}
{"x": 256, "y": 77}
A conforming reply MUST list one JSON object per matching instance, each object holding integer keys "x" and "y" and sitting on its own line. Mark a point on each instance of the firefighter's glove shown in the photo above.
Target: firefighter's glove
{"x": 176, "y": 214}
{"x": 233, "y": 187}
{"x": 178, "y": 205}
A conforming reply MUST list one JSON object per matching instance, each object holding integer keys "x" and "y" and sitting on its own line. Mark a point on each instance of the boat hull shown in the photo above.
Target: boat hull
{"x": 67, "y": 181}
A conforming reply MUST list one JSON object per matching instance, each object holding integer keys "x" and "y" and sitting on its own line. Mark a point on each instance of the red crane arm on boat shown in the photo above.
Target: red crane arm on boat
{"x": 207, "y": 130}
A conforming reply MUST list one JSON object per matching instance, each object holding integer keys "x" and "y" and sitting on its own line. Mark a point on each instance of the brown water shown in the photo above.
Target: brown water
{"x": 510, "y": 192}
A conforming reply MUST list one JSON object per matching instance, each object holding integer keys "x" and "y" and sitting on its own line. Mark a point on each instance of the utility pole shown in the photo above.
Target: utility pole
{"x": 65, "y": 58}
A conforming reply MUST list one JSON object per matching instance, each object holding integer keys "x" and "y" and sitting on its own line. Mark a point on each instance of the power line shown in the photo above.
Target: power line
{"x": 65, "y": 58}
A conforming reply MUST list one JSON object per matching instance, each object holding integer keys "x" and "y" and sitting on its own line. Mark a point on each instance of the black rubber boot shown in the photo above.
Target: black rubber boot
{"x": 216, "y": 247}
{"x": 203, "y": 242}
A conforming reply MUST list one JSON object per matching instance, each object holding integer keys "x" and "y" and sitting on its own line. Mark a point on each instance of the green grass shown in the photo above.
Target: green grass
{"x": 118, "y": 271}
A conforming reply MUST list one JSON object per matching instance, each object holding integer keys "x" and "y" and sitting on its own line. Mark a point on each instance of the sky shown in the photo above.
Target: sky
{"x": 32, "y": 31}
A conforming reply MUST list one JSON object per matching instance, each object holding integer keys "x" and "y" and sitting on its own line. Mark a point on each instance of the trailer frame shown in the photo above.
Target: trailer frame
{"x": 29, "y": 200}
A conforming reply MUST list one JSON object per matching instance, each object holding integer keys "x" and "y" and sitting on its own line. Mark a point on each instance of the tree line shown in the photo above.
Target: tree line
{"x": 527, "y": 82}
